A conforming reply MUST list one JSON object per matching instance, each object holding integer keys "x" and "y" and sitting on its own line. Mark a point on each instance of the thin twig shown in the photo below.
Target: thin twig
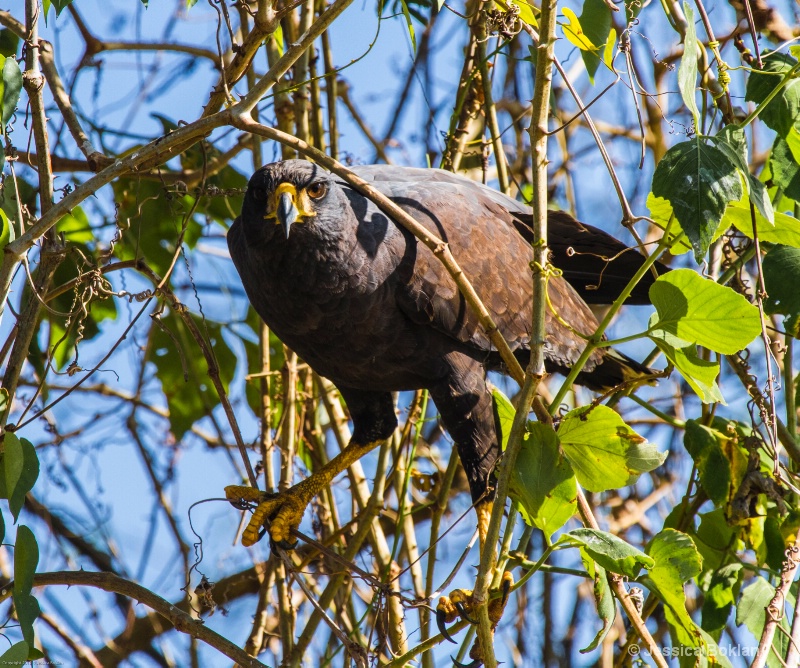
{"x": 95, "y": 159}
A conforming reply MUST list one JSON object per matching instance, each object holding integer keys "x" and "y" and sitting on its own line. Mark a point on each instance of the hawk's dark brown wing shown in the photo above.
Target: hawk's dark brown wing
{"x": 596, "y": 264}
{"x": 484, "y": 241}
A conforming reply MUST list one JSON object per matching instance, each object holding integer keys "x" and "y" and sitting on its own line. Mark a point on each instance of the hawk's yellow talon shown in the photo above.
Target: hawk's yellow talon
{"x": 243, "y": 493}
{"x": 461, "y": 603}
{"x": 283, "y": 512}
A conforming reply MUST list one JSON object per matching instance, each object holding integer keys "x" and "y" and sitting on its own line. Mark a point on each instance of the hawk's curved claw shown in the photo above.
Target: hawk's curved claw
{"x": 461, "y": 603}
{"x": 508, "y": 582}
{"x": 441, "y": 622}
{"x": 286, "y": 545}
{"x": 471, "y": 664}
{"x": 463, "y": 612}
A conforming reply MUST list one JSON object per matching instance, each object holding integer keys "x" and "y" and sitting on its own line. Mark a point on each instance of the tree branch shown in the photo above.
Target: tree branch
{"x": 179, "y": 619}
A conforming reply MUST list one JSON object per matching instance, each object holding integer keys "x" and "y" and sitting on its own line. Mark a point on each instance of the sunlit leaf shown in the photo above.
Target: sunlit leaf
{"x": 783, "y": 111}
{"x": 608, "y": 51}
{"x": 733, "y": 142}
{"x": 526, "y": 11}
{"x": 699, "y": 373}
{"x": 785, "y": 169}
{"x": 612, "y": 553}
{"x": 699, "y": 310}
{"x": 505, "y": 412}
{"x": 277, "y": 37}
{"x": 677, "y": 561}
{"x": 409, "y": 25}
{"x": 793, "y": 142}
{"x": 543, "y": 482}
{"x": 662, "y": 215}
{"x": 75, "y": 227}
{"x": 605, "y": 453}
{"x": 574, "y": 33}
{"x": 786, "y": 229}
{"x": 5, "y": 229}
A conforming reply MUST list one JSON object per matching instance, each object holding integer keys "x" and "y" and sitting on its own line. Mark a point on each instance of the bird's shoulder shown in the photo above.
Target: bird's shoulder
{"x": 476, "y": 222}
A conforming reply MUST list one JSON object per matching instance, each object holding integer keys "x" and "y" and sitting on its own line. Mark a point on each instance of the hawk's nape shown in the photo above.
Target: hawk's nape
{"x": 368, "y": 307}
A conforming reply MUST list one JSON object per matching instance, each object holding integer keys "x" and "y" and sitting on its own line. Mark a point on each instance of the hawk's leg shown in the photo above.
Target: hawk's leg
{"x": 374, "y": 421}
{"x": 465, "y": 404}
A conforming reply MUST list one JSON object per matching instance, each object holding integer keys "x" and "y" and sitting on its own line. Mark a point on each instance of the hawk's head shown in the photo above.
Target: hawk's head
{"x": 287, "y": 192}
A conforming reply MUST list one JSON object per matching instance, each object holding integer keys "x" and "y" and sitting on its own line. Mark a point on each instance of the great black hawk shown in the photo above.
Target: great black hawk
{"x": 368, "y": 307}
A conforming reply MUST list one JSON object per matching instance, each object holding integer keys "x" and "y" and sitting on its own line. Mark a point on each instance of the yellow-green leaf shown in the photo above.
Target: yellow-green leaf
{"x": 574, "y": 32}
{"x": 611, "y": 552}
{"x": 608, "y": 52}
{"x": 605, "y": 453}
{"x": 677, "y": 561}
{"x": 785, "y": 230}
{"x": 543, "y": 482}
{"x": 699, "y": 310}
{"x": 699, "y": 373}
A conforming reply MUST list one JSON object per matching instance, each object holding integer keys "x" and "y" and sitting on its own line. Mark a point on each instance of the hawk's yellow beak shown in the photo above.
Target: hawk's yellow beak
{"x": 288, "y": 206}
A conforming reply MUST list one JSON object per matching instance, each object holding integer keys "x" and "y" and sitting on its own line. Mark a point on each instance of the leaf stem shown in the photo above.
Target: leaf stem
{"x": 669, "y": 419}
{"x": 610, "y": 343}
{"x": 534, "y": 567}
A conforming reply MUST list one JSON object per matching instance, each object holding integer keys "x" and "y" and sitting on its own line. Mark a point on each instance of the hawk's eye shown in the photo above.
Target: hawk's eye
{"x": 317, "y": 190}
